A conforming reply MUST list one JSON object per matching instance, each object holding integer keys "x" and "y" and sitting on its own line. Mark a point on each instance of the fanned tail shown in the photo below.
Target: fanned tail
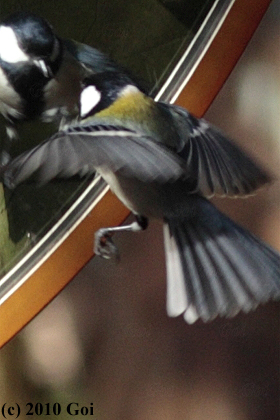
{"x": 215, "y": 267}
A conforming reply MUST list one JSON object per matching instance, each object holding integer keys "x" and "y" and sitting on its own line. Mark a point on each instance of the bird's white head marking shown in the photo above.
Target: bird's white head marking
{"x": 10, "y": 51}
{"x": 128, "y": 90}
{"x": 90, "y": 97}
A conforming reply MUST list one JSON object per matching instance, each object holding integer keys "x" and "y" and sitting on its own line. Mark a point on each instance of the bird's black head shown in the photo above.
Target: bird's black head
{"x": 27, "y": 38}
{"x": 101, "y": 90}
{"x": 34, "y": 35}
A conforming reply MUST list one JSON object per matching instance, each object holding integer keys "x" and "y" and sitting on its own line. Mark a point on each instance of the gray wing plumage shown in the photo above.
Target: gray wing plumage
{"x": 85, "y": 149}
{"x": 94, "y": 60}
{"x": 216, "y": 164}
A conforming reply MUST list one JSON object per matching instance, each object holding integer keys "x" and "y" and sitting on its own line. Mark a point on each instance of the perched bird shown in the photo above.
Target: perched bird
{"x": 162, "y": 162}
{"x": 40, "y": 74}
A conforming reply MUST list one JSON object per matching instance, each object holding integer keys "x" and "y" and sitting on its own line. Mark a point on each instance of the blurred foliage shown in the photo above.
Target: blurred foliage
{"x": 8, "y": 248}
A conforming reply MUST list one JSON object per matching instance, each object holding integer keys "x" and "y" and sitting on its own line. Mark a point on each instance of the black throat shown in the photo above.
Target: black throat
{"x": 29, "y": 82}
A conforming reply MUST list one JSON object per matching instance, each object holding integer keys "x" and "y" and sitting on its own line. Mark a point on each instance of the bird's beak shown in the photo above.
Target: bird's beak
{"x": 45, "y": 69}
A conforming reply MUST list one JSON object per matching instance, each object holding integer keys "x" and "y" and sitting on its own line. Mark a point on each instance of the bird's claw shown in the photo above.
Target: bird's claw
{"x": 104, "y": 245}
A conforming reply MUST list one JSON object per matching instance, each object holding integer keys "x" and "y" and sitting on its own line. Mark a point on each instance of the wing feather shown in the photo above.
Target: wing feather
{"x": 86, "y": 149}
{"x": 217, "y": 164}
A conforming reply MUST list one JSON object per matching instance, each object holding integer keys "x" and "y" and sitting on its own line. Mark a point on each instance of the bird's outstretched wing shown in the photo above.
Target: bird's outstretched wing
{"x": 86, "y": 148}
{"x": 217, "y": 164}
{"x": 94, "y": 60}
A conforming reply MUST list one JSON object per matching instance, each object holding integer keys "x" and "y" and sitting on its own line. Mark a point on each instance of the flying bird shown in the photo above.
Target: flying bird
{"x": 164, "y": 163}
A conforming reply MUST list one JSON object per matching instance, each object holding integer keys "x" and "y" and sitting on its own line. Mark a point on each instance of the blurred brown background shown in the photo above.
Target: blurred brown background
{"x": 106, "y": 338}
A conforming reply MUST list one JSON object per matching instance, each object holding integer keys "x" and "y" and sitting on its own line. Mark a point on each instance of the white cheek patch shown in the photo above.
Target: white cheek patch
{"x": 9, "y": 48}
{"x": 90, "y": 97}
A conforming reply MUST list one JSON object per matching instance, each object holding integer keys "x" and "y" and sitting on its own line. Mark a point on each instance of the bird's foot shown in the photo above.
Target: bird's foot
{"x": 104, "y": 245}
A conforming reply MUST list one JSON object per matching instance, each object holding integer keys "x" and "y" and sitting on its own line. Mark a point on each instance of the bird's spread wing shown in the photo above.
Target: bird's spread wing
{"x": 215, "y": 162}
{"x": 86, "y": 148}
{"x": 94, "y": 60}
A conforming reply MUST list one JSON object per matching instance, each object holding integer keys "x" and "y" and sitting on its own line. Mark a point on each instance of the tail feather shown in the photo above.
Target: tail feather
{"x": 205, "y": 267}
{"x": 178, "y": 301}
{"x": 250, "y": 266}
{"x": 215, "y": 267}
{"x": 235, "y": 291}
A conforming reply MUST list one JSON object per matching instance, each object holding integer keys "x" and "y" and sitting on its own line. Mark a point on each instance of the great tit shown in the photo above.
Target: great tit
{"x": 162, "y": 162}
{"x": 40, "y": 74}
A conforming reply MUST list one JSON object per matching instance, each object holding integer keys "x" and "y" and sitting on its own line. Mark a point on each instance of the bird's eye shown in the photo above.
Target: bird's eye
{"x": 90, "y": 97}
